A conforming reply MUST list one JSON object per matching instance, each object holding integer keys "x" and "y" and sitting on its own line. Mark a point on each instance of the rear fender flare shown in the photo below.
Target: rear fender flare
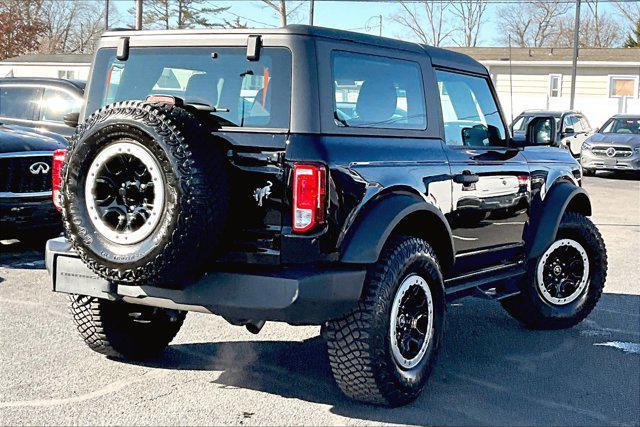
{"x": 366, "y": 238}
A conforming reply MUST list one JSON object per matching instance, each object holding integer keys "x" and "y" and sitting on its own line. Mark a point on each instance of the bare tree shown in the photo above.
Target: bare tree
{"x": 426, "y": 20}
{"x": 629, "y": 10}
{"x": 470, "y": 17}
{"x": 284, "y": 11}
{"x": 597, "y": 29}
{"x": 531, "y": 24}
{"x": 71, "y": 26}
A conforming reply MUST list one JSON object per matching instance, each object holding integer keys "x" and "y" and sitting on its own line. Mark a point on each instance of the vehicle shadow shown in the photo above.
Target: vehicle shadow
{"x": 617, "y": 175}
{"x": 490, "y": 370}
{"x": 16, "y": 254}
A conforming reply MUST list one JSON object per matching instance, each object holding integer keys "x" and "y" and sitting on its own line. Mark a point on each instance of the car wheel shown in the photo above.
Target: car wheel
{"x": 588, "y": 172}
{"x": 125, "y": 331}
{"x": 564, "y": 284}
{"x": 383, "y": 351}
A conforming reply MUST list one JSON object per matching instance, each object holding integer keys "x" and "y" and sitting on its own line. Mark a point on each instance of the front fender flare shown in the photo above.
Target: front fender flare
{"x": 548, "y": 214}
{"x": 364, "y": 241}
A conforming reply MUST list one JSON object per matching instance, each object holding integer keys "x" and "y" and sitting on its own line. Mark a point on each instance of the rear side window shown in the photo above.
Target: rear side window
{"x": 377, "y": 92}
{"x": 19, "y": 102}
{"x": 245, "y": 93}
{"x": 470, "y": 113}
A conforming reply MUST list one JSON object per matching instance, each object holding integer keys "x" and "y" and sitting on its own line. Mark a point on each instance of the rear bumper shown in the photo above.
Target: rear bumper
{"x": 292, "y": 295}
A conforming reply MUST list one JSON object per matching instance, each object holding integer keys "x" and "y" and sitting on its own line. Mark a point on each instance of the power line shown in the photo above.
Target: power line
{"x": 494, "y": 1}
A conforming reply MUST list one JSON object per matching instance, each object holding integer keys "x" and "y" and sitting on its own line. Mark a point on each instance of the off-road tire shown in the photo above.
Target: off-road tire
{"x": 533, "y": 311}
{"x": 358, "y": 344}
{"x": 196, "y": 192}
{"x": 107, "y": 327}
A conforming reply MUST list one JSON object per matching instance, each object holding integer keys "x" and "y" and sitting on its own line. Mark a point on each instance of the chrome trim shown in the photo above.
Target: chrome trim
{"x": 26, "y": 154}
{"x": 8, "y": 194}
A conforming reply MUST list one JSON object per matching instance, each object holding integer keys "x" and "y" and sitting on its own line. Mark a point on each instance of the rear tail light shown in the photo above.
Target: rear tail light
{"x": 56, "y": 176}
{"x": 309, "y": 196}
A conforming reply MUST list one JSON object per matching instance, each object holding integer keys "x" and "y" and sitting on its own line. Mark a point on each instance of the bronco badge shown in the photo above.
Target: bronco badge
{"x": 262, "y": 193}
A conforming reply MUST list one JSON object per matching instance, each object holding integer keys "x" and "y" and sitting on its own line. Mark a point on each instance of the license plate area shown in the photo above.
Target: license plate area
{"x": 72, "y": 276}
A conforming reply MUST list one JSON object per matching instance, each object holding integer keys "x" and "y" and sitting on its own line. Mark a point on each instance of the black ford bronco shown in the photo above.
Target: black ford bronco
{"x": 315, "y": 177}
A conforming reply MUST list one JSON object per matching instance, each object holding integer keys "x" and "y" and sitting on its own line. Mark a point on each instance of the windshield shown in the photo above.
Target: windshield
{"x": 245, "y": 93}
{"x": 628, "y": 125}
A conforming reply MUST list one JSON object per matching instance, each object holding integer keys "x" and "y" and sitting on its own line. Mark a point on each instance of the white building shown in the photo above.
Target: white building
{"x": 56, "y": 66}
{"x": 540, "y": 78}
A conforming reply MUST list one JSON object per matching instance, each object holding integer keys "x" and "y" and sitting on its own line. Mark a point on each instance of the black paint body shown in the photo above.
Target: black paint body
{"x": 380, "y": 181}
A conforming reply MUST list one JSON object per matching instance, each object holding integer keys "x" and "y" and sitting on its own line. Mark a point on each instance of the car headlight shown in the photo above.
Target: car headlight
{"x": 587, "y": 146}
{"x": 637, "y": 149}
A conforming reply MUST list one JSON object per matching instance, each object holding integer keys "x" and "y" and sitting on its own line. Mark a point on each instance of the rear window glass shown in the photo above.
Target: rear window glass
{"x": 378, "y": 92}
{"x": 246, "y": 93}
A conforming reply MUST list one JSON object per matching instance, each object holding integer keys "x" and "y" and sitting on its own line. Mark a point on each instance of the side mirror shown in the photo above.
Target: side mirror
{"x": 71, "y": 119}
{"x": 541, "y": 131}
{"x": 569, "y": 131}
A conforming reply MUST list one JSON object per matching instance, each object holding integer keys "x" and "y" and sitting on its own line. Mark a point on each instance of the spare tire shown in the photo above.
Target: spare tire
{"x": 145, "y": 193}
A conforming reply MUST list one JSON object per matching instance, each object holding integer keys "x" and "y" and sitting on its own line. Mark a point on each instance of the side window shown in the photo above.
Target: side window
{"x": 56, "y": 104}
{"x": 585, "y": 124}
{"x": 520, "y": 123}
{"x": 377, "y": 92}
{"x": 470, "y": 114}
{"x": 18, "y": 102}
{"x": 570, "y": 122}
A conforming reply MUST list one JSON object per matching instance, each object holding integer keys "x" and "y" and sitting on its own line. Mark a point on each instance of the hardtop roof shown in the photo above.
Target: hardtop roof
{"x": 439, "y": 57}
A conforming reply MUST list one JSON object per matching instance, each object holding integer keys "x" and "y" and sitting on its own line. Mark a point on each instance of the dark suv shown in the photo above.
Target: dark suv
{"x": 314, "y": 177}
{"x": 40, "y": 103}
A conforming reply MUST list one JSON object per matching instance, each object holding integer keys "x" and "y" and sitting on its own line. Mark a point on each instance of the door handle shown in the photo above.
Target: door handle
{"x": 466, "y": 178}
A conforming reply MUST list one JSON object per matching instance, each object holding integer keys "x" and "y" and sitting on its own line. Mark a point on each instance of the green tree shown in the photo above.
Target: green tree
{"x": 180, "y": 14}
{"x": 633, "y": 39}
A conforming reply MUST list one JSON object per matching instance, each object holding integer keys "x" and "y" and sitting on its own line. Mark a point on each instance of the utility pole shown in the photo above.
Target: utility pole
{"x": 311, "y": 10}
{"x": 380, "y": 25}
{"x": 106, "y": 15}
{"x": 576, "y": 40}
{"x": 138, "y": 14}
{"x": 510, "y": 81}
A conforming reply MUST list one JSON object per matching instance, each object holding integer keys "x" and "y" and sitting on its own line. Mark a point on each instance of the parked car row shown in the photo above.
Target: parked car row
{"x": 615, "y": 146}
{"x": 33, "y": 134}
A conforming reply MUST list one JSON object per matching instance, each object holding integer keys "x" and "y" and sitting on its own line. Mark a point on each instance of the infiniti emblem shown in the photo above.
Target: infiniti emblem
{"x": 39, "y": 168}
{"x": 611, "y": 151}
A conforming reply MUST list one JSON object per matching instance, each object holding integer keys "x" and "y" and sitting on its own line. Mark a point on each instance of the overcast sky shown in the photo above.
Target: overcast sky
{"x": 353, "y": 15}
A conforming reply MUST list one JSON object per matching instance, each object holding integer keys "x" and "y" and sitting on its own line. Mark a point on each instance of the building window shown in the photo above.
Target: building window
{"x": 66, "y": 74}
{"x": 623, "y": 86}
{"x": 555, "y": 85}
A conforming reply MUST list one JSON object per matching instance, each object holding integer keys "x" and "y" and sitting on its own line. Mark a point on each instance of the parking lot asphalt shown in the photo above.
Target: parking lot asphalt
{"x": 490, "y": 370}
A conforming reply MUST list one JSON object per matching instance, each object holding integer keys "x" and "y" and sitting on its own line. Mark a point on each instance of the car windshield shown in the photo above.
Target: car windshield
{"x": 623, "y": 125}
{"x": 243, "y": 92}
